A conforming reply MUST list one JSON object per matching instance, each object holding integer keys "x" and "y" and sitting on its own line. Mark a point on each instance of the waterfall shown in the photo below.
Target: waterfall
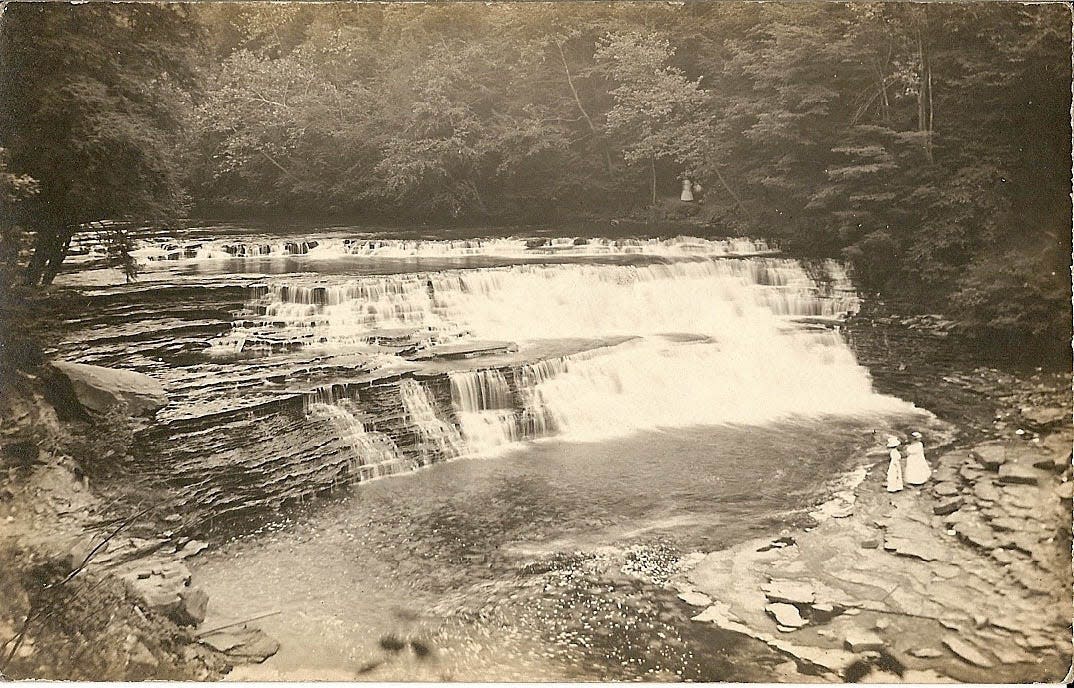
{"x": 657, "y": 382}
{"x": 373, "y": 454}
{"x": 602, "y": 349}
{"x": 335, "y": 245}
{"x": 485, "y": 407}
{"x": 437, "y": 437}
{"x": 530, "y": 302}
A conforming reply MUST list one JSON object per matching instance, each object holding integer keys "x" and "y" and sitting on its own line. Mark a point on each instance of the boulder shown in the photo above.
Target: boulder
{"x": 98, "y": 388}
{"x": 164, "y": 587}
{"x": 138, "y": 655}
{"x": 192, "y": 606}
{"x": 1017, "y": 473}
{"x": 1060, "y": 446}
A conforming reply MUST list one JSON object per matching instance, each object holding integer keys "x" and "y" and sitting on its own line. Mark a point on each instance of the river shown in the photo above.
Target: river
{"x": 513, "y": 439}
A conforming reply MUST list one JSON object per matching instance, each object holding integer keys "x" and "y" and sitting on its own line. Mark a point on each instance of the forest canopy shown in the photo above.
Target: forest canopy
{"x": 928, "y": 144}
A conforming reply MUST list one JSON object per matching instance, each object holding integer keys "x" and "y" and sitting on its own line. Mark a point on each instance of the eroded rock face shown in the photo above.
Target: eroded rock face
{"x": 98, "y": 388}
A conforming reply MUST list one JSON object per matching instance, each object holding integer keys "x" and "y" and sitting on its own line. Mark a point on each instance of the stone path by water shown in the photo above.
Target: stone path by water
{"x": 967, "y": 578}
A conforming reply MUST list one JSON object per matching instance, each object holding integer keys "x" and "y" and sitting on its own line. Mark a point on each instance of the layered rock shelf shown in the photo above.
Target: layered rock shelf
{"x": 966, "y": 578}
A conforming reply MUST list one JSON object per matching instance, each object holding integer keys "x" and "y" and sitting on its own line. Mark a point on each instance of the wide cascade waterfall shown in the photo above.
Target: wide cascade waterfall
{"x": 689, "y": 342}
{"x": 335, "y": 245}
{"x": 527, "y": 302}
{"x": 327, "y": 376}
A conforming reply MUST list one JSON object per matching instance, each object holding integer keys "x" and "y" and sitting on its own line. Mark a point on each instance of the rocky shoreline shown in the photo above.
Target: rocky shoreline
{"x": 85, "y": 598}
{"x": 966, "y": 578}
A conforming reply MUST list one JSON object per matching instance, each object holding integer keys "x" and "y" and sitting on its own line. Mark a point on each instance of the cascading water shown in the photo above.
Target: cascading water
{"x": 485, "y": 407}
{"x": 334, "y": 245}
{"x": 530, "y": 302}
{"x": 374, "y": 455}
{"x": 646, "y": 334}
{"x": 709, "y": 341}
{"x": 438, "y": 438}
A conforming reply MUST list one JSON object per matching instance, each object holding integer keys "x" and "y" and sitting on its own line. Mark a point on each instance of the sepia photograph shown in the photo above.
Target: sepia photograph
{"x": 573, "y": 342}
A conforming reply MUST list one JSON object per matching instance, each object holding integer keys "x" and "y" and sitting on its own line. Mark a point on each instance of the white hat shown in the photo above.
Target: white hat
{"x": 893, "y": 441}
{"x": 916, "y": 434}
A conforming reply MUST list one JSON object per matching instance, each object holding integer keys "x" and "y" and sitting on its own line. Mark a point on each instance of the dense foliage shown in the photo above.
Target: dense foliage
{"x": 929, "y": 144}
{"x": 90, "y": 95}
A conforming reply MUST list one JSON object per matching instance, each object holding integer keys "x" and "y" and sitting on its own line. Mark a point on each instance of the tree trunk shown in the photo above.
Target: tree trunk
{"x": 924, "y": 87}
{"x": 50, "y": 250}
{"x": 56, "y": 257}
{"x": 652, "y": 170}
{"x": 606, "y": 158}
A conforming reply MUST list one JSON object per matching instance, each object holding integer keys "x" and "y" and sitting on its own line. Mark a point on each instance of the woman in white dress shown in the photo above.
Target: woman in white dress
{"x": 894, "y": 483}
{"x": 917, "y": 468}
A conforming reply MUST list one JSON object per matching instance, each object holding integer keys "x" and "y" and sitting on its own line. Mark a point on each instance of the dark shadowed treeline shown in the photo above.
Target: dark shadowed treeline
{"x": 928, "y": 144}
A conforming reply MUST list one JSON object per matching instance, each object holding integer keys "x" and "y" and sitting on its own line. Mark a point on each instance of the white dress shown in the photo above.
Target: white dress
{"x": 917, "y": 468}
{"x": 895, "y": 471}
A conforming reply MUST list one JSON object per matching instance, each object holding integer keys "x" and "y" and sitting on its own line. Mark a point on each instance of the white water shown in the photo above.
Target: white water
{"x": 485, "y": 407}
{"x": 373, "y": 454}
{"x": 338, "y": 245}
{"x": 531, "y": 302}
{"x": 435, "y": 433}
{"x": 712, "y": 341}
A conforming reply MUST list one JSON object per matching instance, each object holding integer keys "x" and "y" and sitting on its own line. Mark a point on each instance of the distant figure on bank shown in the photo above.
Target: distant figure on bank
{"x": 687, "y": 191}
{"x": 894, "y": 483}
{"x": 917, "y": 468}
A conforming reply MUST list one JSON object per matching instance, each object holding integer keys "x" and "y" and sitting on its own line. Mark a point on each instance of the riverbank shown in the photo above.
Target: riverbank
{"x": 82, "y": 596}
{"x": 966, "y": 578}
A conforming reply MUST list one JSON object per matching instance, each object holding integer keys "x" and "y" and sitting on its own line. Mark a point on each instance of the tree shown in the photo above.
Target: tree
{"x": 91, "y": 93}
{"x": 657, "y": 110}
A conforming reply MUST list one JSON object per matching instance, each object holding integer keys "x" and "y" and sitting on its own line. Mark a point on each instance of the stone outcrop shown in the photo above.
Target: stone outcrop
{"x": 97, "y": 388}
{"x": 972, "y": 580}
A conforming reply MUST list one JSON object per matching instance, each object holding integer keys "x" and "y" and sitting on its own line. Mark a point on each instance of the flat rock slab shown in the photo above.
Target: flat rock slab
{"x": 696, "y": 599}
{"x": 785, "y": 614}
{"x": 991, "y": 455}
{"x": 1008, "y": 524}
{"x": 1018, "y": 474}
{"x": 247, "y": 644}
{"x": 858, "y": 640}
{"x": 98, "y": 388}
{"x": 966, "y": 652}
{"x": 464, "y": 350}
{"x": 1046, "y": 417}
{"x": 793, "y": 592}
{"x": 945, "y": 489}
{"x": 985, "y": 490}
{"x": 976, "y": 534}
{"x": 1021, "y": 496}
{"x": 947, "y": 506}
